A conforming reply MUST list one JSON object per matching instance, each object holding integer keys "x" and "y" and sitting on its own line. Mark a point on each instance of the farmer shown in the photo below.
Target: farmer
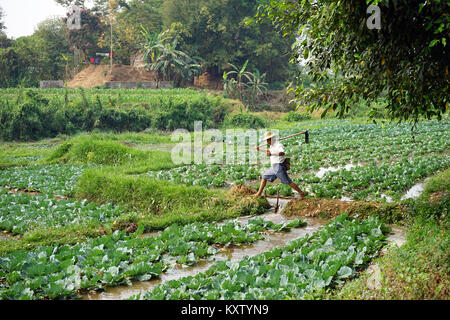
{"x": 278, "y": 168}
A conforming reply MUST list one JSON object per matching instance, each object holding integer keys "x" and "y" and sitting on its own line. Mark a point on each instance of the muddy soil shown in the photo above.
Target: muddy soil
{"x": 240, "y": 190}
{"x": 326, "y": 208}
{"x": 5, "y": 236}
{"x": 23, "y": 191}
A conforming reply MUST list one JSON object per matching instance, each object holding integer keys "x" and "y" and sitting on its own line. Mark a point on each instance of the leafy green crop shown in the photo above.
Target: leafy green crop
{"x": 386, "y": 159}
{"x": 20, "y": 213}
{"x": 65, "y": 271}
{"x": 203, "y": 175}
{"x": 299, "y": 270}
{"x": 49, "y": 179}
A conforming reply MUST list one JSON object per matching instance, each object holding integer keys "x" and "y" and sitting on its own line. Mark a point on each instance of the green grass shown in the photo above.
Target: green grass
{"x": 162, "y": 203}
{"x": 439, "y": 182}
{"x": 99, "y": 150}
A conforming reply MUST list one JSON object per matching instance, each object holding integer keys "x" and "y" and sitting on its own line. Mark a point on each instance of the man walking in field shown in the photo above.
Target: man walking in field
{"x": 278, "y": 168}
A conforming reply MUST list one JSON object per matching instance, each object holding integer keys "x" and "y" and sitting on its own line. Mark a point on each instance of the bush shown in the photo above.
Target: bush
{"x": 293, "y": 116}
{"x": 35, "y": 116}
{"x": 84, "y": 149}
{"x": 245, "y": 120}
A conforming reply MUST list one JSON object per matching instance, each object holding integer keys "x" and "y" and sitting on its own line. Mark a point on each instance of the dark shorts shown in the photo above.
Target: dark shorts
{"x": 279, "y": 171}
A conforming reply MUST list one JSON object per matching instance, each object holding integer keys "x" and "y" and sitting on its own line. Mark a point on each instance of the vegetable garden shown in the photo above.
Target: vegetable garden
{"x": 64, "y": 246}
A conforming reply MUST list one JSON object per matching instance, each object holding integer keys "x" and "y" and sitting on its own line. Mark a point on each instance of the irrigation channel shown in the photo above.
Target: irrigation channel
{"x": 235, "y": 253}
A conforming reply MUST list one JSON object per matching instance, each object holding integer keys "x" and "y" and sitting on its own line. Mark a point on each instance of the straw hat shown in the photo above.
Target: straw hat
{"x": 268, "y": 135}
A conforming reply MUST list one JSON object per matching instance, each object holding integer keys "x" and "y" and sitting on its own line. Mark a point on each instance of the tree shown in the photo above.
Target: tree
{"x": 127, "y": 36}
{"x": 52, "y": 48}
{"x": 163, "y": 57}
{"x": 2, "y": 25}
{"x": 70, "y": 3}
{"x": 406, "y": 60}
{"x": 238, "y": 81}
{"x": 217, "y": 31}
{"x": 4, "y": 41}
{"x": 86, "y": 38}
{"x": 30, "y": 59}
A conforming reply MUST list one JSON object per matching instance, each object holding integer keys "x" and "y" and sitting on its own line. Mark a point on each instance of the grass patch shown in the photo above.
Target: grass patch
{"x": 96, "y": 149}
{"x": 438, "y": 183}
{"x": 160, "y": 204}
{"x": 70, "y": 235}
{"x": 85, "y": 149}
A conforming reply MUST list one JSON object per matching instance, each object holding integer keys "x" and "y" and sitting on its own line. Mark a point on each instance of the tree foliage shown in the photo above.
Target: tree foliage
{"x": 86, "y": 38}
{"x": 2, "y": 24}
{"x": 218, "y": 32}
{"x": 30, "y": 59}
{"x": 163, "y": 57}
{"x": 406, "y": 60}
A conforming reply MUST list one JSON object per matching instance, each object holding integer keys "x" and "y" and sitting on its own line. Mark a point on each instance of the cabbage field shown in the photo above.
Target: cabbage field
{"x": 384, "y": 160}
{"x": 74, "y": 227}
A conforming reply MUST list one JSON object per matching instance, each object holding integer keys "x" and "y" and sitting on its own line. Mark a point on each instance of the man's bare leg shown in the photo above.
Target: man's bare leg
{"x": 261, "y": 188}
{"x": 296, "y": 188}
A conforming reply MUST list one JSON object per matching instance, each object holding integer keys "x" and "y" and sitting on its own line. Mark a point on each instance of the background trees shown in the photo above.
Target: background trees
{"x": 217, "y": 32}
{"x": 37, "y": 57}
{"x": 406, "y": 60}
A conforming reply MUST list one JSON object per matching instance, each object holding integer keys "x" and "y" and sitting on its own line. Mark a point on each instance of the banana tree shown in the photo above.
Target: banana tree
{"x": 257, "y": 85}
{"x": 240, "y": 76}
{"x": 169, "y": 63}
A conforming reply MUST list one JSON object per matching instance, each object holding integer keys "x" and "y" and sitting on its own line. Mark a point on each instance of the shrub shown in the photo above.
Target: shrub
{"x": 245, "y": 120}
{"x": 293, "y": 116}
{"x": 33, "y": 116}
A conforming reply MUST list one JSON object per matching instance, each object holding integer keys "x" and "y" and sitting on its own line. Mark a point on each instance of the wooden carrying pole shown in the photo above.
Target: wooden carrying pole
{"x": 293, "y": 135}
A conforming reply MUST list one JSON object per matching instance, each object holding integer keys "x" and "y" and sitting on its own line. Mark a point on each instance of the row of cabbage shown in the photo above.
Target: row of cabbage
{"x": 57, "y": 179}
{"x": 21, "y": 213}
{"x": 302, "y": 269}
{"x": 65, "y": 271}
{"x": 385, "y": 160}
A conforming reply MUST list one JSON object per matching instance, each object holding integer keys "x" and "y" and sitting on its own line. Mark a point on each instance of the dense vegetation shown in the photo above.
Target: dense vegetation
{"x": 214, "y": 31}
{"x": 406, "y": 60}
{"x": 31, "y": 115}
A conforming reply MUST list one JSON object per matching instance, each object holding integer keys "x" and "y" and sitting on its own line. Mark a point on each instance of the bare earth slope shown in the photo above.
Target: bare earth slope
{"x": 97, "y": 75}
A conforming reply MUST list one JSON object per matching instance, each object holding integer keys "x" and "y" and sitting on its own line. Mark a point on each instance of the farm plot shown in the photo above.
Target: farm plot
{"x": 20, "y": 213}
{"x": 300, "y": 270}
{"x": 384, "y": 159}
{"x": 65, "y": 271}
{"x": 55, "y": 179}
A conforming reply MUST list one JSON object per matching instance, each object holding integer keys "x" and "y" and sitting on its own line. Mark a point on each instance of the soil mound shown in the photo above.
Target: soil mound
{"x": 325, "y": 208}
{"x": 97, "y": 75}
{"x": 240, "y": 190}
